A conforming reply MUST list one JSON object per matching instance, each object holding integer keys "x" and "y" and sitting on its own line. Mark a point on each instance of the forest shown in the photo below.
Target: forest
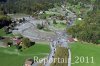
{"x": 89, "y": 29}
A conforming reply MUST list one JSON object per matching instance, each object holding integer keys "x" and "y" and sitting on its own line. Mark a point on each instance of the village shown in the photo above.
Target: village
{"x": 53, "y": 22}
{"x": 47, "y": 32}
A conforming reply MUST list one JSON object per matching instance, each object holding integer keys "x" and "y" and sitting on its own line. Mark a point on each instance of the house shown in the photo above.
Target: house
{"x": 5, "y": 41}
{"x": 29, "y": 62}
{"x": 16, "y": 41}
{"x": 70, "y": 39}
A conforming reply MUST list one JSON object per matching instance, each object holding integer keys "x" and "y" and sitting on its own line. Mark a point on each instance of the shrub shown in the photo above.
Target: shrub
{"x": 54, "y": 21}
{"x": 39, "y": 26}
{"x": 25, "y": 42}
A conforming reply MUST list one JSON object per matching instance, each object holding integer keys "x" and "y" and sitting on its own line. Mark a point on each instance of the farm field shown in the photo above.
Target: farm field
{"x": 80, "y": 50}
{"x": 10, "y": 56}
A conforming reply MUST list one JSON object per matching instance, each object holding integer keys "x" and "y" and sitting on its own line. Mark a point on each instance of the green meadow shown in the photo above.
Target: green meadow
{"x": 11, "y": 56}
{"x": 85, "y": 54}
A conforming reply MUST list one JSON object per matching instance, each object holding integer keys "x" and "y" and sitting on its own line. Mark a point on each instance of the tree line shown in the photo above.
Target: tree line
{"x": 22, "y": 6}
{"x": 88, "y": 30}
{"x": 27, "y": 6}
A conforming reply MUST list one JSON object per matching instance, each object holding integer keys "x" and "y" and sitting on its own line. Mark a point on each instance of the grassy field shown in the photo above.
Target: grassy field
{"x": 61, "y": 52}
{"x": 52, "y": 13}
{"x": 2, "y": 33}
{"x": 60, "y": 24}
{"x": 79, "y": 49}
{"x": 77, "y": 22}
{"x": 11, "y": 57}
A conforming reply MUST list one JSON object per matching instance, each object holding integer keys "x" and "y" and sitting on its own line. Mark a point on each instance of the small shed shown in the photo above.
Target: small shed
{"x": 70, "y": 39}
{"x": 29, "y": 62}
